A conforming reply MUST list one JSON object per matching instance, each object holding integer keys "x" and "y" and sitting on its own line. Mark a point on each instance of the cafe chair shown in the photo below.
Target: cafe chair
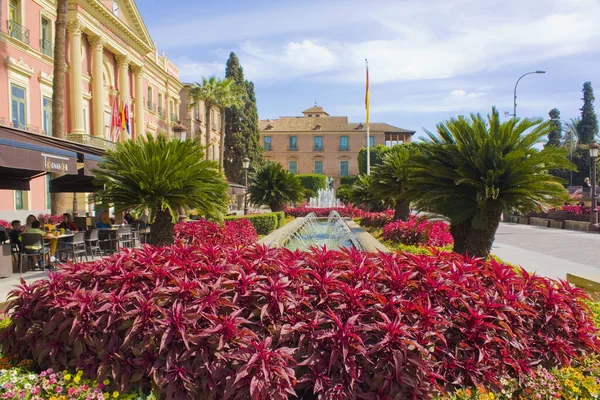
{"x": 75, "y": 248}
{"x": 34, "y": 240}
{"x": 93, "y": 244}
{"x": 124, "y": 238}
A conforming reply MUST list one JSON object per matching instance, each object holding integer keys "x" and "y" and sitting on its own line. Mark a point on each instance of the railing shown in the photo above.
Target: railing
{"x": 18, "y": 125}
{"x": 161, "y": 112}
{"x": 267, "y": 147}
{"x": 91, "y": 141}
{"x": 17, "y": 31}
{"x": 46, "y": 48}
{"x": 151, "y": 106}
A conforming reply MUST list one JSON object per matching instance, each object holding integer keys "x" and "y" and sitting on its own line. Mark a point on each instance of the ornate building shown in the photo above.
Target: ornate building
{"x": 317, "y": 143}
{"x": 110, "y": 57}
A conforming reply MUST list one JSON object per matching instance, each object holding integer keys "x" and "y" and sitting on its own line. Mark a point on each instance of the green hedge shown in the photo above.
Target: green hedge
{"x": 348, "y": 180}
{"x": 263, "y": 223}
{"x": 313, "y": 182}
{"x": 280, "y": 217}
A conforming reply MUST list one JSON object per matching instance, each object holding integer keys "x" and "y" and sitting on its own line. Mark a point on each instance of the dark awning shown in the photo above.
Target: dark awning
{"x": 90, "y": 163}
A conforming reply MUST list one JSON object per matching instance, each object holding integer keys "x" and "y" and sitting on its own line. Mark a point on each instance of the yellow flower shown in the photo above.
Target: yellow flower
{"x": 67, "y": 377}
{"x": 106, "y": 395}
{"x": 115, "y": 395}
{"x": 77, "y": 378}
{"x": 106, "y": 382}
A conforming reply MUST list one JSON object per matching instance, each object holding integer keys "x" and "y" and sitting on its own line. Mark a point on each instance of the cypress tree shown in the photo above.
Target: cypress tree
{"x": 242, "y": 137}
{"x": 587, "y": 128}
{"x": 554, "y": 137}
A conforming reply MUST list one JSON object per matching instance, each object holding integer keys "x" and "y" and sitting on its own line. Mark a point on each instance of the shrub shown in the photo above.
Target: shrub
{"x": 236, "y": 232}
{"x": 344, "y": 193}
{"x": 51, "y": 219}
{"x": 5, "y": 224}
{"x": 377, "y": 219}
{"x": 418, "y": 231}
{"x": 280, "y": 217}
{"x": 205, "y": 320}
{"x": 303, "y": 211}
{"x": 348, "y": 180}
{"x": 313, "y": 182}
{"x": 263, "y": 223}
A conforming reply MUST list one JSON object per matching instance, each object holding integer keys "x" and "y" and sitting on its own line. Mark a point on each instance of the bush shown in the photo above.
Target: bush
{"x": 344, "y": 193}
{"x": 303, "y": 211}
{"x": 348, "y": 180}
{"x": 205, "y": 320}
{"x": 377, "y": 219}
{"x": 313, "y": 182}
{"x": 51, "y": 219}
{"x": 234, "y": 233}
{"x": 280, "y": 217}
{"x": 418, "y": 231}
{"x": 263, "y": 223}
{"x": 5, "y": 224}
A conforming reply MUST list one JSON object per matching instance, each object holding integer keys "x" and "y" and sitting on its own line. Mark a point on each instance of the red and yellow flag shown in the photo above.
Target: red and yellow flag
{"x": 123, "y": 121}
{"x": 367, "y": 92}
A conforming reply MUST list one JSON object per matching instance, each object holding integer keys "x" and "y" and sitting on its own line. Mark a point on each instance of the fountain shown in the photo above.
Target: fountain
{"x": 325, "y": 197}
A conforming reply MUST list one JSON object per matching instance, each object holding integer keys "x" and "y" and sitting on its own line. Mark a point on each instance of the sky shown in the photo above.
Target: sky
{"x": 429, "y": 60}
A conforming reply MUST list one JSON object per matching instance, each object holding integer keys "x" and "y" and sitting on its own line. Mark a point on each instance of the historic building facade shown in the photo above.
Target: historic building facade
{"x": 321, "y": 144}
{"x": 110, "y": 58}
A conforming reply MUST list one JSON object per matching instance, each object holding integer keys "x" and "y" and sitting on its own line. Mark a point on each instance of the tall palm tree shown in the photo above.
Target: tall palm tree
{"x": 474, "y": 169}
{"x": 275, "y": 186}
{"x": 162, "y": 176}
{"x": 389, "y": 178}
{"x": 58, "y": 87}
{"x": 220, "y": 93}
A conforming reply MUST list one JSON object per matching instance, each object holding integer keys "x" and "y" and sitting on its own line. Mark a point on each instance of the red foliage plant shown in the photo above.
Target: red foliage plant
{"x": 239, "y": 232}
{"x": 5, "y": 224}
{"x": 377, "y": 219}
{"x": 303, "y": 211}
{"x": 50, "y": 219}
{"x": 418, "y": 231}
{"x": 209, "y": 320}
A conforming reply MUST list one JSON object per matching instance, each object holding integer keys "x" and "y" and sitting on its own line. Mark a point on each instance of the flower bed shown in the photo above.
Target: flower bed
{"x": 377, "y": 219}
{"x": 418, "y": 231}
{"x": 51, "y": 219}
{"x": 303, "y": 211}
{"x": 5, "y": 224}
{"x": 212, "y": 321}
{"x": 233, "y": 233}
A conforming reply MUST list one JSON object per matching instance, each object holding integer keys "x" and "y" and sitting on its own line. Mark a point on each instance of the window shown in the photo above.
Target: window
{"x": 150, "y": 97}
{"x": 197, "y": 112}
{"x": 18, "y": 199}
{"x": 13, "y": 11}
{"x": 343, "y": 143}
{"x": 343, "y": 168}
{"x": 48, "y": 196}
{"x": 318, "y": 167}
{"x": 47, "y": 115}
{"x": 45, "y": 33}
{"x": 160, "y": 102}
{"x": 18, "y": 109}
{"x": 267, "y": 142}
{"x": 371, "y": 141}
{"x": 46, "y": 39}
{"x": 318, "y": 143}
{"x": 293, "y": 167}
{"x": 293, "y": 143}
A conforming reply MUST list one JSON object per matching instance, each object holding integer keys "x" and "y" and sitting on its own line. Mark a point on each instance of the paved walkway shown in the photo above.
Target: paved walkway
{"x": 549, "y": 252}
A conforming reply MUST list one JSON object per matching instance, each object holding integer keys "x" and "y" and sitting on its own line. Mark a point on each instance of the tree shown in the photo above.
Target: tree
{"x": 555, "y": 135}
{"x": 389, "y": 179}
{"x": 364, "y": 195}
{"x": 376, "y": 155}
{"x": 162, "y": 175}
{"x": 274, "y": 186}
{"x": 242, "y": 137}
{"x": 587, "y": 129}
{"x": 215, "y": 92}
{"x": 474, "y": 169}
{"x": 58, "y": 86}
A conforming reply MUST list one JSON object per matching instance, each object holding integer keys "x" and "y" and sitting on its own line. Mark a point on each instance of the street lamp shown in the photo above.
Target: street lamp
{"x": 246, "y": 167}
{"x": 515, "y": 102}
{"x": 593, "y": 212}
{"x": 179, "y": 131}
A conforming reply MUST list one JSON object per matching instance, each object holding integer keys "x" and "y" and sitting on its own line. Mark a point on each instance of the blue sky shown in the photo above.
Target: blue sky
{"x": 428, "y": 59}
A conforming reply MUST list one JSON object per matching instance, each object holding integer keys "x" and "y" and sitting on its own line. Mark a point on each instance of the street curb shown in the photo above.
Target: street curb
{"x": 591, "y": 284}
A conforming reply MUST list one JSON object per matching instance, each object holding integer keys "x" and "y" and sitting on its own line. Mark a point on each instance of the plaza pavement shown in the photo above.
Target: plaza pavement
{"x": 549, "y": 252}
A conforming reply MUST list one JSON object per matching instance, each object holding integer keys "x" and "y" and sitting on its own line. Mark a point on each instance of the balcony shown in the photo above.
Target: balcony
{"x": 161, "y": 112}
{"x": 91, "y": 141}
{"x": 151, "y": 106}
{"x": 46, "y": 48}
{"x": 17, "y": 31}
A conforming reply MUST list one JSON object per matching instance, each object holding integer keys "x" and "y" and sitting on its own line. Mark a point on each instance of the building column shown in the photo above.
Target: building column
{"x": 123, "y": 64}
{"x": 98, "y": 86}
{"x": 76, "y": 75}
{"x": 139, "y": 103}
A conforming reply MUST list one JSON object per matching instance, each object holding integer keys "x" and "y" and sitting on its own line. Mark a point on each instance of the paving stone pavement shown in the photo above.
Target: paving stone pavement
{"x": 549, "y": 252}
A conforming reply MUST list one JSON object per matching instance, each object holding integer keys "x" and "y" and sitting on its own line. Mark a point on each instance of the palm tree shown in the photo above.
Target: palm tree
{"x": 220, "y": 93}
{"x": 389, "y": 178}
{"x": 474, "y": 169}
{"x": 364, "y": 195}
{"x": 161, "y": 176}
{"x": 274, "y": 186}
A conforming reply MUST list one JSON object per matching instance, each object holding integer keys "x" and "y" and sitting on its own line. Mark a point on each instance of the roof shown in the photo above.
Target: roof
{"x": 315, "y": 109}
{"x": 329, "y": 124}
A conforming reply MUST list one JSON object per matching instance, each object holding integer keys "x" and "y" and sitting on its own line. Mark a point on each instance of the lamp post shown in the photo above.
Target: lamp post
{"x": 522, "y": 76}
{"x": 246, "y": 167}
{"x": 594, "y": 212}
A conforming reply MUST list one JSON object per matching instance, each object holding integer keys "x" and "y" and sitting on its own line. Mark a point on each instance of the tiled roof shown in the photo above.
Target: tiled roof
{"x": 328, "y": 124}
{"x": 315, "y": 109}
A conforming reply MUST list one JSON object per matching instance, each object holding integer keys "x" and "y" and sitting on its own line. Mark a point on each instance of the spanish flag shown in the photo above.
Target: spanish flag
{"x": 123, "y": 122}
{"x": 367, "y": 92}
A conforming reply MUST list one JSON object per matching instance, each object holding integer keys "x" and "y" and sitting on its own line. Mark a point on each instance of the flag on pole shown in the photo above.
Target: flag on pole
{"x": 367, "y": 93}
{"x": 123, "y": 122}
{"x": 115, "y": 122}
{"x": 127, "y": 118}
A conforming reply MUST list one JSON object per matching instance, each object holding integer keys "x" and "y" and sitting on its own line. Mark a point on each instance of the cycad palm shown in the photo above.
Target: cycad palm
{"x": 389, "y": 178}
{"x": 274, "y": 186}
{"x": 474, "y": 169}
{"x": 366, "y": 196}
{"x": 162, "y": 176}
{"x": 220, "y": 93}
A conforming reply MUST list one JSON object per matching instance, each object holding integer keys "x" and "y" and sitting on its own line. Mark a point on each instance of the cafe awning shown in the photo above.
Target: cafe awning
{"x": 82, "y": 182}
{"x": 20, "y": 162}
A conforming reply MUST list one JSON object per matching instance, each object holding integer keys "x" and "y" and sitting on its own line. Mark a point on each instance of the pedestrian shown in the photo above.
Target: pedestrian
{"x": 586, "y": 183}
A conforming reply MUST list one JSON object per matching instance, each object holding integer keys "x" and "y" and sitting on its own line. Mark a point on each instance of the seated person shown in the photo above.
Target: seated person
{"x": 35, "y": 228}
{"x": 28, "y": 222}
{"x": 14, "y": 233}
{"x": 104, "y": 222}
{"x": 68, "y": 223}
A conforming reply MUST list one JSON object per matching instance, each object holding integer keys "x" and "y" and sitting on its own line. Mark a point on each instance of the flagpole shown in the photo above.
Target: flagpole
{"x": 367, "y": 121}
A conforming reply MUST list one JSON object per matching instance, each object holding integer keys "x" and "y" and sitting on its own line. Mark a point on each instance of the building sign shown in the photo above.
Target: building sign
{"x": 56, "y": 163}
